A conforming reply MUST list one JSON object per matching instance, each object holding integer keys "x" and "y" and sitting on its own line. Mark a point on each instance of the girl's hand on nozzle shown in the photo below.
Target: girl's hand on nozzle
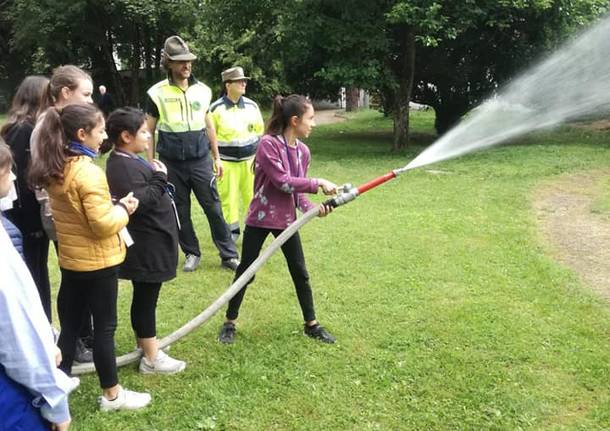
{"x": 325, "y": 210}
{"x": 327, "y": 187}
{"x": 130, "y": 203}
{"x": 158, "y": 165}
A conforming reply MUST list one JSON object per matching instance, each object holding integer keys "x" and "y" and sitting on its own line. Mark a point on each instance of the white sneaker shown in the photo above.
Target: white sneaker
{"x": 163, "y": 364}
{"x": 125, "y": 400}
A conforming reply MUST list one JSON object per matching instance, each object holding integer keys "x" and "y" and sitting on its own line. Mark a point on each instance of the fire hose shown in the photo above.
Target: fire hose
{"x": 347, "y": 194}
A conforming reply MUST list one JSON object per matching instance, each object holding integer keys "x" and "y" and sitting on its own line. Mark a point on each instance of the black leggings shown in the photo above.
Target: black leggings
{"x": 97, "y": 291}
{"x": 143, "y": 307}
{"x": 254, "y": 237}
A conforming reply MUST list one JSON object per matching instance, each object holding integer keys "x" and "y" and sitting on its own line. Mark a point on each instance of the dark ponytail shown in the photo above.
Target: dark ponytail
{"x": 284, "y": 108}
{"x": 55, "y": 131}
{"x": 125, "y": 119}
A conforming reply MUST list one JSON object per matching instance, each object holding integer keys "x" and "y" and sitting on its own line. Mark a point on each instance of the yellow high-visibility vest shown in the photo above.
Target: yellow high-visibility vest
{"x": 181, "y": 122}
{"x": 239, "y": 127}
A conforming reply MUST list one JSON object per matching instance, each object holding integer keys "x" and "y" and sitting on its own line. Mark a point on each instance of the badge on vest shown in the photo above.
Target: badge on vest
{"x": 196, "y": 106}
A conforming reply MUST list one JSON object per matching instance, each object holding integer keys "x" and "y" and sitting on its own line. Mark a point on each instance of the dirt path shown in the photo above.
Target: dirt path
{"x": 578, "y": 237}
{"x": 330, "y": 116}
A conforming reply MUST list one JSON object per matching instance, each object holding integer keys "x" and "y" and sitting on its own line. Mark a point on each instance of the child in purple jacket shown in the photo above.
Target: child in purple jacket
{"x": 280, "y": 184}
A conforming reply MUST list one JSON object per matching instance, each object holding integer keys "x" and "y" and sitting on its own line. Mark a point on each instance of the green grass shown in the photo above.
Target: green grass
{"x": 450, "y": 314}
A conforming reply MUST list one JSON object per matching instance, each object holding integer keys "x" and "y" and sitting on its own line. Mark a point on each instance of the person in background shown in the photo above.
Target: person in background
{"x": 239, "y": 126}
{"x": 280, "y": 184}
{"x": 153, "y": 257}
{"x": 178, "y": 108}
{"x": 25, "y": 214}
{"x": 105, "y": 102}
{"x": 91, "y": 239}
{"x": 33, "y": 391}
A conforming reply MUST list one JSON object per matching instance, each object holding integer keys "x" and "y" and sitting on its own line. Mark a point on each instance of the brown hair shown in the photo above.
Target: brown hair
{"x": 6, "y": 156}
{"x": 284, "y": 108}
{"x": 56, "y": 130}
{"x": 63, "y": 76}
{"x": 26, "y": 102}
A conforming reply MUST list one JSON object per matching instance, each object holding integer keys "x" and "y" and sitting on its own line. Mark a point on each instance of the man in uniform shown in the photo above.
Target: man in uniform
{"x": 239, "y": 125}
{"x": 177, "y": 108}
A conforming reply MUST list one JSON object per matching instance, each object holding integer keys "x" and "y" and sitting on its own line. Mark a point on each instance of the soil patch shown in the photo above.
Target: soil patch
{"x": 578, "y": 237}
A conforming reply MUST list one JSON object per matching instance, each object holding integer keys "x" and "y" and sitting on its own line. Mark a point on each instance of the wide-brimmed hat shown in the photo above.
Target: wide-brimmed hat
{"x": 176, "y": 49}
{"x": 233, "y": 74}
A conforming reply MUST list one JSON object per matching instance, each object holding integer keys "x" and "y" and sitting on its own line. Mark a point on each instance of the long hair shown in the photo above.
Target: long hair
{"x": 6, "y": 156}
{"x": 121, "y": 120}
{"x": 57, "y": 129}
{"x": 26, "y": 102}
{"x": 63, "y": 76}
{"x": 284, "y": 108}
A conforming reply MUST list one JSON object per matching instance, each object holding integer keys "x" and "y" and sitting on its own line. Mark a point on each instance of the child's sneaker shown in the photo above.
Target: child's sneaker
{"x": 125, "y": 400}
{"x": 227, "y": 333}
{"x": 163, "y": 364}
{"x": 319, "y": 333}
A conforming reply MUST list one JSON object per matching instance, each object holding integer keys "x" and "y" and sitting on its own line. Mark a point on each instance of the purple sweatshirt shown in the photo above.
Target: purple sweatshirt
{"x": 280, "y": 181}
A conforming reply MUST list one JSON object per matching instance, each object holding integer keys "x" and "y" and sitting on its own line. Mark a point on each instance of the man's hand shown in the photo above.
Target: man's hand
{"x": 218, "y": 168}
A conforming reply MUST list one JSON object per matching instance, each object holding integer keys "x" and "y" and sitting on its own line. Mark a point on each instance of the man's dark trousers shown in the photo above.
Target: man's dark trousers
{"x": 198, "y": 175}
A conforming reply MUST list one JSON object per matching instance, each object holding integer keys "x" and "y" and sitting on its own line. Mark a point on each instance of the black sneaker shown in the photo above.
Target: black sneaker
{"x": 319, "y": 333}
{"x": 227, "y": 333}
{"x": 82, "y": 354}
{"x": 231, "y": 264}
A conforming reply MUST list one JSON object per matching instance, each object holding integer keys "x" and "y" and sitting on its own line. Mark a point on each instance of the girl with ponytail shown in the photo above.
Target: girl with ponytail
{"x": 90, "y": 232}
{"x": 280, "y": 185}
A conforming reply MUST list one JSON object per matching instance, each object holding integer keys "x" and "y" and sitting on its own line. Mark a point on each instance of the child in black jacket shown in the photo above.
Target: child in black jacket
{"x": 153, "y": 257}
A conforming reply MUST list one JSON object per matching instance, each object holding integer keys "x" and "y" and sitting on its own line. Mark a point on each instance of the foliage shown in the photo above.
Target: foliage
{"x": 493, "y": 41}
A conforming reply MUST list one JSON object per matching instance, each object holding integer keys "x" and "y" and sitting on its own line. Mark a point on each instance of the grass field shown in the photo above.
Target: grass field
{"x": 448, "y": 311}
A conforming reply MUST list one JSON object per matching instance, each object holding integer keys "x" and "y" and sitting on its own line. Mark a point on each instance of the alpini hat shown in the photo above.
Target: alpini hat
{"x": 176, "y": 49}
{"x": 233, "y": 74}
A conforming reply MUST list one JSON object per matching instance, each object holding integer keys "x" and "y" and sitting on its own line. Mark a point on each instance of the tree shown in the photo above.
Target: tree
{"x": 47, "y": 33}
{"x": 493, "y": 41}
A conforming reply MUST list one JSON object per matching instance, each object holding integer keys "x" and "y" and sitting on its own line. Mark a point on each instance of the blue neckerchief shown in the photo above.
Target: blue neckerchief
{"x": 77, "y": 147}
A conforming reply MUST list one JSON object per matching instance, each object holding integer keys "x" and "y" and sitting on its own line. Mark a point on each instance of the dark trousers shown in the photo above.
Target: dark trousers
{"x": 97, "y": 291}
{"x": 86, "y": 331}
{"x": 198, "y": 175}
{"x": 143, "y": 308}
{"x": 254, "y": 237}
{"x": 36, "y": 253}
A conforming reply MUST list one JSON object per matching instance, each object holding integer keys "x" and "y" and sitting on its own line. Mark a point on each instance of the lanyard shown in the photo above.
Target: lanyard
{"x": 77, "y": 147}
{"x": 296, "y": 172}
{"x": 135, "y": 157}
{"x": 291, "y": 170}
{"x": 169, "y": 188}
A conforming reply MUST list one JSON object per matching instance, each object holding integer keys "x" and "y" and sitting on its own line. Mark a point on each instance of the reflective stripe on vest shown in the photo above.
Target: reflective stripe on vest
{"x": 181, "y": 111}
{"x": 238, "y": 128}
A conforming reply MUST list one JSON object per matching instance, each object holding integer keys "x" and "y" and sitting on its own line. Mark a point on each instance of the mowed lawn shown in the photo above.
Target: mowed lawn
{"x": 449, "y": 312}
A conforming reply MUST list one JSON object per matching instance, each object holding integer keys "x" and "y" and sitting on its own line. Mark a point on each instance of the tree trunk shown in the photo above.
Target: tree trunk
{"x": 352, "y": 96}
{"x": 117, "y": 84}
{"x": 404, "y": 72}
{"x": 448, "y": 114}
{"x": 148, "y": 53}
{"x": 135, "y": 67}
